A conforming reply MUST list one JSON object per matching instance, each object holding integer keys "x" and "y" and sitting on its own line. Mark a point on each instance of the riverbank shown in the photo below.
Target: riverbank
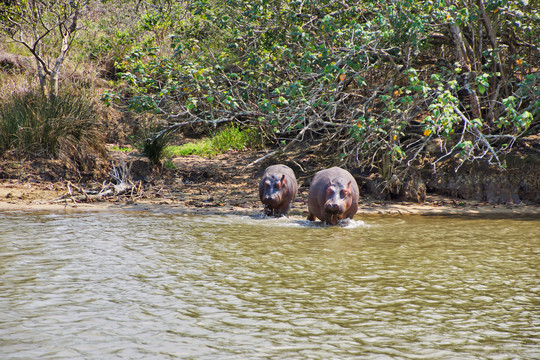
{"x": 223, "y": 184}
{"x": 447, "y": 207}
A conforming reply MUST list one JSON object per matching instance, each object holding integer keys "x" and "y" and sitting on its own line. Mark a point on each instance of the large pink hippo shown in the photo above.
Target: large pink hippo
{"x": 277, "y": 189}
{"x": 333, "y": 196}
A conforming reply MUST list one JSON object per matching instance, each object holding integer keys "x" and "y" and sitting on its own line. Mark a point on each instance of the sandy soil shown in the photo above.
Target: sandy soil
{"x": 221, "y": 185}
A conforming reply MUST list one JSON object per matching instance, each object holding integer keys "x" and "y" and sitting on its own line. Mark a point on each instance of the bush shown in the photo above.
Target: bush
{"x": 202, "y": 147}
{"x": 154, "y": 149}
{"x": 62, "y": 127}
{"x": 370, "y": 83}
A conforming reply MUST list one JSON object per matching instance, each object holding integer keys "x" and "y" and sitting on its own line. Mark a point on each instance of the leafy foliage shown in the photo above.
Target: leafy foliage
{"x": 371, "y": 81}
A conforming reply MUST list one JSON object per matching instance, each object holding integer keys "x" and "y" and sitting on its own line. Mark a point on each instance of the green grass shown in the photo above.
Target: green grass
{"x": 201, "y": 147}
{"x": 229, "y": 138}
{"x": 120, "y": 149}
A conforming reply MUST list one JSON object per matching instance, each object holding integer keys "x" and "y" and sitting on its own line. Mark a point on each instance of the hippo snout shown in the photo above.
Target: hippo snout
{"x": 273, "y": 199}
{"x": 333, "y": 208}
{"x": 267, "y": 199}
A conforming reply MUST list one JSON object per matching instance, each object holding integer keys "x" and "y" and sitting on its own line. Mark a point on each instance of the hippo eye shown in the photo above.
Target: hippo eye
{"x": 344, "y": 193}
{"x": 278, "y": 185}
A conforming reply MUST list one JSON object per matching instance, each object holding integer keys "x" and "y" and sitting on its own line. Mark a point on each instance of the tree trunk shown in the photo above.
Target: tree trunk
{"x": 494, "y": 43}
{"x": 465, "y": 62}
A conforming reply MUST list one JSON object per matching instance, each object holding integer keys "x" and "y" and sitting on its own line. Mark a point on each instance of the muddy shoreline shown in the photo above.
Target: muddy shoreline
{"x": 32, "y": 198}
{"x": 223, "y": 184}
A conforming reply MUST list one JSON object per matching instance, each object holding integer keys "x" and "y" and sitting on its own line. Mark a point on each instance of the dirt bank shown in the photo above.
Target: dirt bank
{"x": 220, "y": 185}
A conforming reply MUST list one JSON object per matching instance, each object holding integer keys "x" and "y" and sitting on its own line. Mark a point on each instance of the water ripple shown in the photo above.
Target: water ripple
{"x": 143, "y": 286}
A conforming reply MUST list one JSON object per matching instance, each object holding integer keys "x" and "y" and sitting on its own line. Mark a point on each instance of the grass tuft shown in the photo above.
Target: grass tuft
{"x": 154, "y": 149}
{"x": 63, "y": 127}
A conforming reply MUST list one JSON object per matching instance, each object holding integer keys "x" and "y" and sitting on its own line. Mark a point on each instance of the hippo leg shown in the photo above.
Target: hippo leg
{"x": 311, "y": 217}
{"x": 333, "y": 220}
{"x": 285, "y": 211}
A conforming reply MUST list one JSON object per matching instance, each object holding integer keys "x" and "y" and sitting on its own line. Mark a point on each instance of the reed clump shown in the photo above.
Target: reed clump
{"x": 62, "y": 127}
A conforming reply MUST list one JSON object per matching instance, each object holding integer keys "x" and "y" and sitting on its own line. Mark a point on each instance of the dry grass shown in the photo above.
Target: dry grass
{"x": 62, "y": 128}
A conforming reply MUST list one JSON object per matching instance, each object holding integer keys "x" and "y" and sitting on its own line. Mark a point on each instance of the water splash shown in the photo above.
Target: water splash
{"x": 296, "y": 222}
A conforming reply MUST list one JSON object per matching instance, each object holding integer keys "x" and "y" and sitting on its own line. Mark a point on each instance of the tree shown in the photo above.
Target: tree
{"x": 375, "y": 82}
{"x": 47, "y": 28}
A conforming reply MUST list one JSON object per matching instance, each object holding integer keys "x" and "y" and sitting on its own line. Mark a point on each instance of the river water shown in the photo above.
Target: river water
{"x": 141, "y": 285}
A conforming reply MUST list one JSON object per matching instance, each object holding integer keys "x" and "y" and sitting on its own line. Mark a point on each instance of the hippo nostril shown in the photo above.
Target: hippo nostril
{"x": 269, "y": 200}
{"x": 333, "y": 208}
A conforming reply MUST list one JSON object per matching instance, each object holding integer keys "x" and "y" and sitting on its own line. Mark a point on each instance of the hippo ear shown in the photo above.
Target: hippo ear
{"x": 283, "y": 179}
{"x": 348, "y": 190}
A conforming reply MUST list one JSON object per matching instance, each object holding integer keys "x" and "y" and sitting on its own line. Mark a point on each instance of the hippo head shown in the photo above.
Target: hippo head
{"x": 338, "y": 200}
{"x": 275, "y": 187}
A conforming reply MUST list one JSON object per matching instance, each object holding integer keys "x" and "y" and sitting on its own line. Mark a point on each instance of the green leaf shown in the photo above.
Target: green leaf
{"x": 191, "y": 104}
{"x": 477, "y": 123}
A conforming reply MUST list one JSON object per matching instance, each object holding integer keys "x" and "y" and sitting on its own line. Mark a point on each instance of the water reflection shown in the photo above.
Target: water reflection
{"x": 139, "y": 286}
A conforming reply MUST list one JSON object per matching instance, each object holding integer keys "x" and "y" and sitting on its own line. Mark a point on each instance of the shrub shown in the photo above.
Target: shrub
{"x": 154, "y": 148}
{"x": 62, "y": 127}
{"x": 201, "y": 147}
{"x": 368, "y": 84}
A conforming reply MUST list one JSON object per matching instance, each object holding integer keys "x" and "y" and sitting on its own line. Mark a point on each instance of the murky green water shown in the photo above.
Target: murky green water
{"x": 157, "y": 286}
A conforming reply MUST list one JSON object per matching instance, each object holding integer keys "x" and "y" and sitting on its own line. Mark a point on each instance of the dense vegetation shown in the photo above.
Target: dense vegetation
{"x": 371, "y": 84}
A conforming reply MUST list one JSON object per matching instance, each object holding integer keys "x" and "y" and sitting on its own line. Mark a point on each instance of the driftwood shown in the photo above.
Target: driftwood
{"x": 123, "y": 187}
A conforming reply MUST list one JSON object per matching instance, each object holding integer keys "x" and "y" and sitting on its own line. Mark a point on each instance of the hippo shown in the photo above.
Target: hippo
{"x": 277, "y": 189}
{"x": 333, "y": 196}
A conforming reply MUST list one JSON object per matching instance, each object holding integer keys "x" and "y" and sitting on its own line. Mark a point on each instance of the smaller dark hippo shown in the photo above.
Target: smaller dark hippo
{"x": 333, "y": 196}
{"x": 277, "y": 189}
